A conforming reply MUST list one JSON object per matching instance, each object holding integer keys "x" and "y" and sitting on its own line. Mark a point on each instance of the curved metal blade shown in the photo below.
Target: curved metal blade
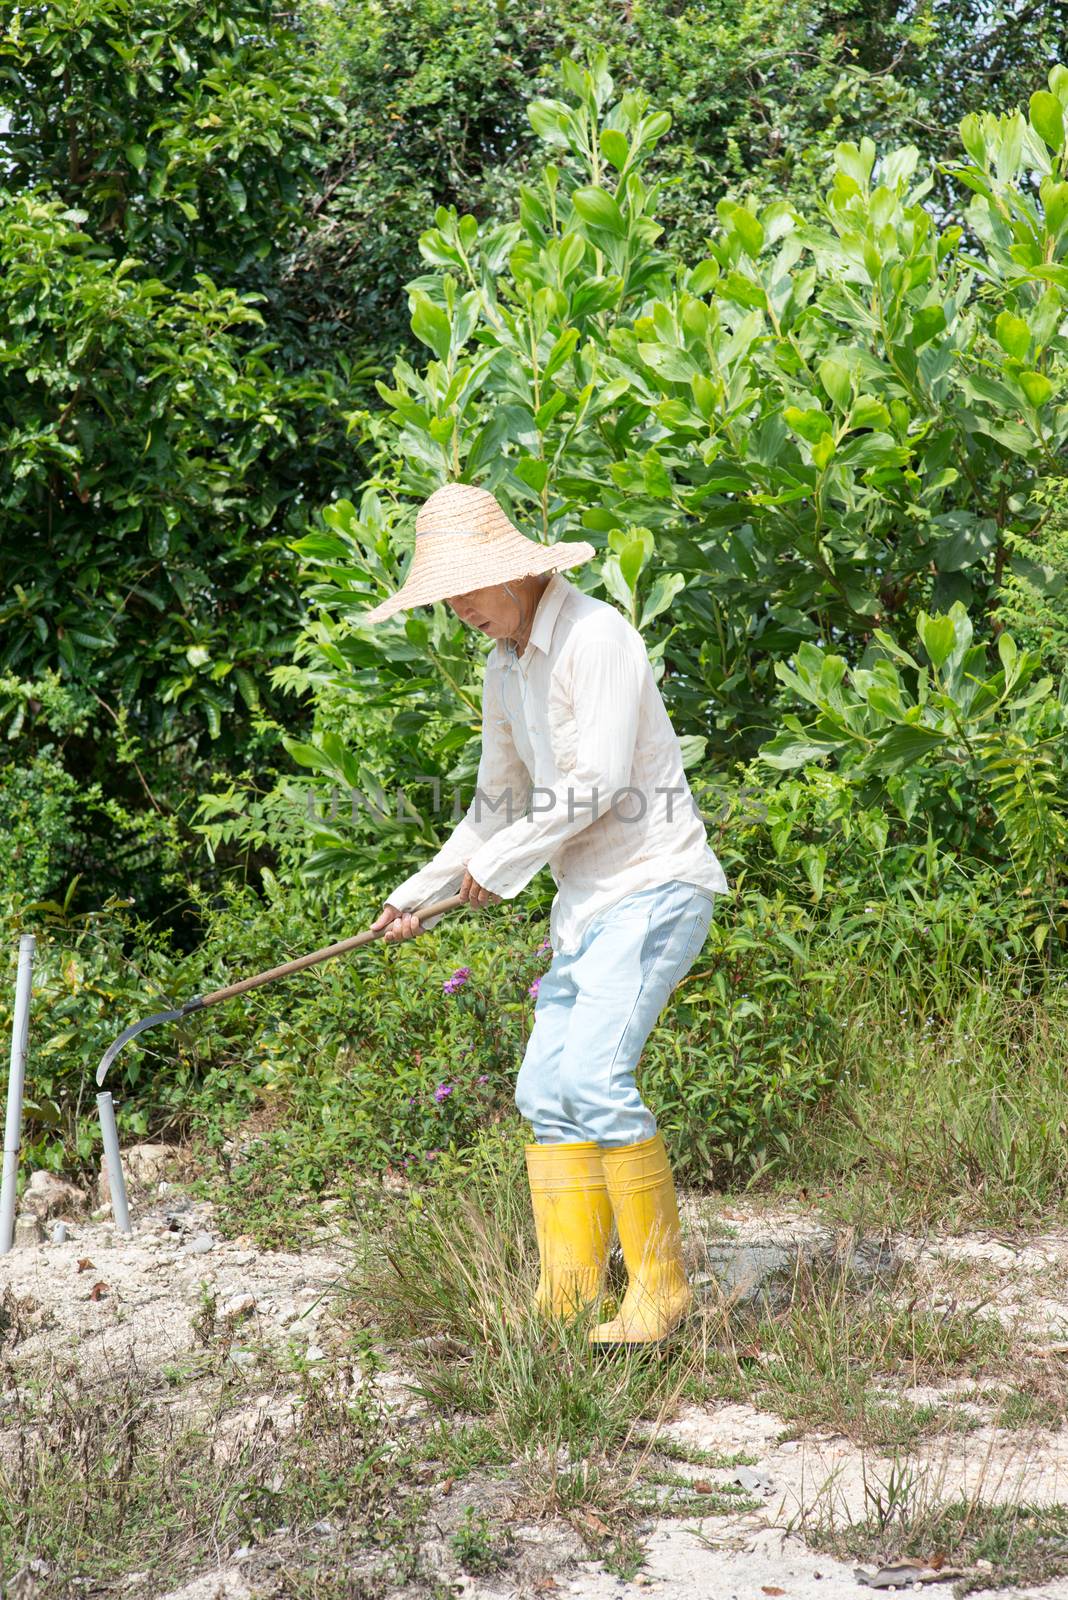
{"x": 130, "y": 1033}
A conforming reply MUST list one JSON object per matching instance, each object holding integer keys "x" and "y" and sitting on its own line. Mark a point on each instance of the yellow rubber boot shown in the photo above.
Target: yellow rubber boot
{"x": 573, "y": 1224}
{"x": 642, "y": 1193}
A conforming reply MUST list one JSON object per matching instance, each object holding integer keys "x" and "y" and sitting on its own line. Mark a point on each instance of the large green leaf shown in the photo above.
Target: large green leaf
{"x": 904, "y": 745}
{"x": 614, "y": 147}
{"x": 938, "y": 636}
{"x": 430, "y": 324}
{"x": 1036, "y": 386}
{"x": 927, "y": 323}
{"x": 789, "y": 750}
{"x": 1047, "y": 118}
{"x": 661, "y": 595}
{"x": 599, "y": 210}
{"x": 971, "y": 539}
{"x": 1012, "y": 334}
{"x": 550, "y": 120}
{"x": 811, "y": 423}
{"x": 632, "y": 558}
{"x": 834, "y": 375}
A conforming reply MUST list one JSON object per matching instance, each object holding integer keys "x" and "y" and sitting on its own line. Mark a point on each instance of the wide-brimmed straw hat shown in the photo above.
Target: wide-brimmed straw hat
{"x": 464, "y": 541}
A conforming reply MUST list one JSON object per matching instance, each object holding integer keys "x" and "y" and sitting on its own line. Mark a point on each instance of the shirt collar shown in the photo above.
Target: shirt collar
{"x": 541, "y": 629}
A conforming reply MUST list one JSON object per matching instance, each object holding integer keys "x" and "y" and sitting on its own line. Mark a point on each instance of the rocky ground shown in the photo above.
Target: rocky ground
{"x": 220, "y": 1332}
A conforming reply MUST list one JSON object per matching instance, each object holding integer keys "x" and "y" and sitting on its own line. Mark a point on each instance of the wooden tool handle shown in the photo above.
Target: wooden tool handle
{"x": 326, "y": 954}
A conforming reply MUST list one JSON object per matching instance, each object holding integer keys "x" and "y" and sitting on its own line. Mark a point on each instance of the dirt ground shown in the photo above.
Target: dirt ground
{"x": 109, "y": 1304}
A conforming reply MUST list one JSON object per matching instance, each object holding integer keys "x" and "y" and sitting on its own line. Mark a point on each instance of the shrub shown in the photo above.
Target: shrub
{"x": 798, "y": 447}
{"x": 397, "y": 1059}
{"x": 748, "y": 1046}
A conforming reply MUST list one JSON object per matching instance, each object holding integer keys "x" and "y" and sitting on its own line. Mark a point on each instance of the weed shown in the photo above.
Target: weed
{"x": 203, "y": 1319}
{"x": 688, "y": 1495}
{"x": 1029, "y": 1408}
{"x": 590, "y": 1491}
{"x": 105, "y": 1480}
{"x": 463, "y": 1448}
{"x": 454, "y": 1280}
{"x": 953, "y": 1117}
{"x": 823, "y": 1360}
{"x": 625, "y": 1558}
{"x": 996, "y": 1539}
{"x": 476, "y": 1547}
{"x": 690, "y": 1455}
{"x": 998, "y": 1546}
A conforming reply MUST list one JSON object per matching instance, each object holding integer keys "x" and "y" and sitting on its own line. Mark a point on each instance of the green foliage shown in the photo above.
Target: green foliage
{"x": 53, "y": 824}
{"x": 475, "y": 1545}
{"x": 189, "y": 134}
{"x": 371, "y": 1056}
{"x": 37, "y": 809}
{"x": 405, "y": 1068}
{"x": 949, "y": 1117}
{"x": 830, "y": 427}
{"x": 885, "y": 895}
{"x": 159, "y": 431}
{"x": 1032, "y": 599}
{"x": 971, "y": 757}
{"x": 759, "y": 93}
{"x": 748, "y": 1048}
{"x": 135, "y": 416}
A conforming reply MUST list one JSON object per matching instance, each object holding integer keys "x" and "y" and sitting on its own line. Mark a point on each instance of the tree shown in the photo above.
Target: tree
{"x": 189, "y": 136}
{"x": 160, "y": 433}
{"x": 759, "y": 93}
{"x": 832, "y": 425}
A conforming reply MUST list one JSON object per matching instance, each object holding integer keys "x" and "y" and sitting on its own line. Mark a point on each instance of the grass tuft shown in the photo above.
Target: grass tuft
{"x": 954, "y": 1116}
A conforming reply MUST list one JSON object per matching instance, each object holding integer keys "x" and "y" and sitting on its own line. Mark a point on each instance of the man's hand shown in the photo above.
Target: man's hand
{"x": 474, "y": 893}
{"x": 399, "y": 925}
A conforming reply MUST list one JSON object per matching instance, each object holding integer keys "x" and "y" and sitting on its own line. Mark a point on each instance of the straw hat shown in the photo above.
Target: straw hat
{"x": 464, "y": 541}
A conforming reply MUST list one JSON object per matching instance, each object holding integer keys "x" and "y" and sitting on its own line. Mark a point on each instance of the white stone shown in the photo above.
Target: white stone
{"x": 50, "y": 1196}
{"x": 146, "y": 1163}
{"x": 240, "y": 1306}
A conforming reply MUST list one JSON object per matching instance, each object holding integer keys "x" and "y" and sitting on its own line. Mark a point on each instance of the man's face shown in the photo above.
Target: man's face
{"x": 492, "y": 611}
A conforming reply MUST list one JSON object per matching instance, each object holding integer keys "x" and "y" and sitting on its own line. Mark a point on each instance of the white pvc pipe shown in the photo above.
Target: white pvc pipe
{"x": 116, "y": 1181}
{"x": 16, "y": 1082}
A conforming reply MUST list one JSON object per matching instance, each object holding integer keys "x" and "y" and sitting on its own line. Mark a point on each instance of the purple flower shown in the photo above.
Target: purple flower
{"x": 546, "y": 944}
{"x": 457, "y": 981}
{"x": 533, "y": 990}
{"x": 443, "y": 1091}
{"x": 484, "y": 1078}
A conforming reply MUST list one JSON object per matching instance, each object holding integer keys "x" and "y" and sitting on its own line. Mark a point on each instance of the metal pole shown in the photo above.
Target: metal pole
{"x": 116, "y": 1181}
{"x": 20, "y": 1031}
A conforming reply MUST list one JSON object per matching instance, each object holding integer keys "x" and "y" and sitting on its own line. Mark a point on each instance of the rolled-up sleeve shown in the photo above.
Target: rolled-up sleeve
{"x": 606, "y": 683}
{"x": 501, "y": 792}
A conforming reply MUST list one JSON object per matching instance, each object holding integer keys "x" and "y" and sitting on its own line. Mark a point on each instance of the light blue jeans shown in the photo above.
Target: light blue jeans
{"x": 595, "y": 1010}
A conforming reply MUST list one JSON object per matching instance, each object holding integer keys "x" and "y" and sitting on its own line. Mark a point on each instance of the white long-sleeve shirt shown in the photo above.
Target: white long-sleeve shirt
{"x": 580, "y": 769}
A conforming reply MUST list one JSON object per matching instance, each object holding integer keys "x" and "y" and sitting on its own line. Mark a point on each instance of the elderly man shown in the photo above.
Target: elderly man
{"x": 581, "y": 770}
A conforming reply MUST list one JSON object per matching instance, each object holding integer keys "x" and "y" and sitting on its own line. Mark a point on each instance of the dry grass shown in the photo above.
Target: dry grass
{"x": 990, "y": 1537}
{"x": 107, "y": 1478}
